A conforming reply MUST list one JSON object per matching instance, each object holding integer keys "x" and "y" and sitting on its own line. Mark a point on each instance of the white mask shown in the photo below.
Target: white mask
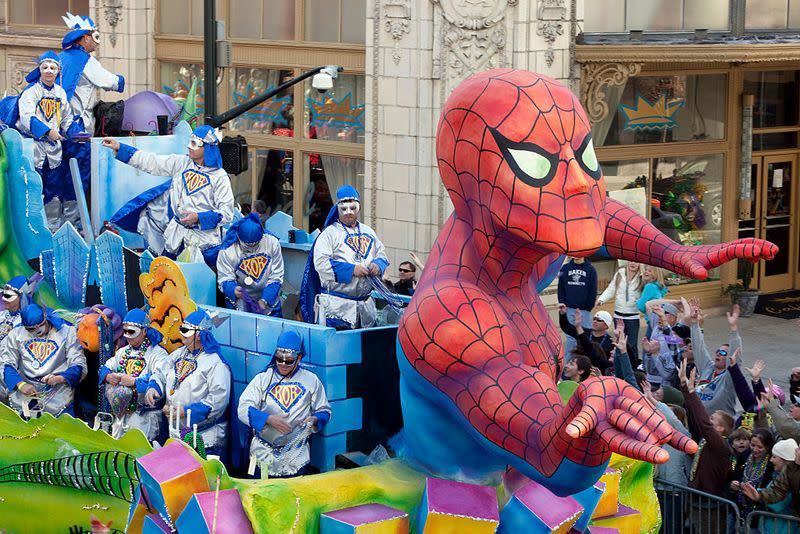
{"x": 249, "y": 247}
{"x": 48, "y": 66}
{"x": 348, "y": 208}
{"x": 40, "y": 331}
{"x": 133, "y": 328}
{"x": 9, "y": 296}
{"x": 96, "y": 37}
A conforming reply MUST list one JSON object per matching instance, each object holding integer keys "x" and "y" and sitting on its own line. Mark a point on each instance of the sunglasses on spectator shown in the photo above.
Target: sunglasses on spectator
{"x": 722, "y": 352}
{"x": 404, "y": 270}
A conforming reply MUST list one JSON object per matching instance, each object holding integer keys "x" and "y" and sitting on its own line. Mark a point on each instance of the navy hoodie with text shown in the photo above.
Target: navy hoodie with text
{"x": 577, "y": 285}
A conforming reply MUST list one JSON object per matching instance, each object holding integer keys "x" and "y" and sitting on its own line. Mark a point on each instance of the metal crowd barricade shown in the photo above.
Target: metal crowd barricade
{"x": 762, "y": 522}
{"x": 689, "y": 511}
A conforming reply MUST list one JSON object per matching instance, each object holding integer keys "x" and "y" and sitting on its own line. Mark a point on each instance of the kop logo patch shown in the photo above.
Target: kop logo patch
{"x": 254, "y": 266}
{"x": 134, "y": 367}
{"x": 50, "y": 107}
{"x": 287, "y": 394}
{"x": 360, "y": 243}
{"x": 195, "y": 181}
{"x": 41, "y": 350}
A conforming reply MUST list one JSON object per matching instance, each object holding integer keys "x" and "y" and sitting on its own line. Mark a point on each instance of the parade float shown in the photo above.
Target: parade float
{"x": 464, "y": 391}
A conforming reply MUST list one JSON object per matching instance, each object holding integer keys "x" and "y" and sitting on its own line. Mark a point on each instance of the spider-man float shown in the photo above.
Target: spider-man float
{"x": 478, "y": 354}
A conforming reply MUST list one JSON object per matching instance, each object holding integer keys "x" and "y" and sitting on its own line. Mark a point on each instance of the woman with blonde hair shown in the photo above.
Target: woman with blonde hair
{"x": 626, "y": 288}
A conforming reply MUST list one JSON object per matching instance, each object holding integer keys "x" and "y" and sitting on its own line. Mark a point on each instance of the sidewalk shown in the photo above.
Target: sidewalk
{"x": 774, "y": 340}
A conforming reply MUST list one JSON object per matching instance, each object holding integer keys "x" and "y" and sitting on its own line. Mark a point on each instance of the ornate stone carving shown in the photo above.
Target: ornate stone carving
{"x": 112, "y": 12}
{"x": 550, "y": 15}
{"x": 473, "y": 38}
{"x": 19, "y": 67}
{"x": 598, "y": 76}
{"x": 398, "y": 16}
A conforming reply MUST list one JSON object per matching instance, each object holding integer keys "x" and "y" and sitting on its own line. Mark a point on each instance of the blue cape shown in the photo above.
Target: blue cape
{"x": 127, "y": 217}
{"x": 73, "y": 61}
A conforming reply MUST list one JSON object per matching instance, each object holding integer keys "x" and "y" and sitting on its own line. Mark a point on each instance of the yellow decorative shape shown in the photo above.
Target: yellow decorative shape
{"x": 167, "y": 294}
{"x": 627, "y": 521}
{"x": 398, "y": 525}
{"x": 609, "y": 502}
{"x": 453, "y": 524}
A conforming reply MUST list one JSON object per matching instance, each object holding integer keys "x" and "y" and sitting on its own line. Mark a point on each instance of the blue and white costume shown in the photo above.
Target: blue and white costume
{"x": 81, "y": 77}
{"x": 148, "y": 364}
{"x": 43, "y": 108}
{"x": 251, "y": 259}
{"x": 200, "y": 381}
{"x": 203, "y": 189}
{"x": 17, "y": 293}
{"x": 51, "y": 348}
{"x": 344, "y": 300}
{"x": 293, "y": 397}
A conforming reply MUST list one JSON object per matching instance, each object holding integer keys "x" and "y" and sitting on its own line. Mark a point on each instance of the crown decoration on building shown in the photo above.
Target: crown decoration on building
{"x": 271, "y": 111}
{"x": 331, "y": 112}
{"x": 656, "y": 115}
{"x": 77, "y": 22}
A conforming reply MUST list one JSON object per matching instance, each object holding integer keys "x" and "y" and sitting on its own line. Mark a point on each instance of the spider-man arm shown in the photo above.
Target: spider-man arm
{"x": 630, "y": 236}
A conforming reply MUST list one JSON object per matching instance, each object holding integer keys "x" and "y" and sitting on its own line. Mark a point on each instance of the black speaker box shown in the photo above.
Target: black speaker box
{"x": 234, "y": 154}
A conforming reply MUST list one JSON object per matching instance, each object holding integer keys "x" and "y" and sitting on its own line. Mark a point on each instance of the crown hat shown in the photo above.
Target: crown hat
{"x": 79, "y": 26}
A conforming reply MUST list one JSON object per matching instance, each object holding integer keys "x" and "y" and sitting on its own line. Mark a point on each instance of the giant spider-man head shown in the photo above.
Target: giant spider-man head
{"x": 516, "y": 154}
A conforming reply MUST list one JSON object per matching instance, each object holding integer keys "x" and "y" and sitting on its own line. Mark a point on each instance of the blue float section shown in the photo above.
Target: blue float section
{"x": 191, "y": 518}
{"x": 114, "y": 183}
{"x": 202, "y": 282}
{"x": 71, "y": 255}
{"x": 588, "y": 499}
{"x": 111, "y": 271}
{"x": 48, "y": 267}
{"x": 25, "y": 195}
{"x": 248, "y": 342}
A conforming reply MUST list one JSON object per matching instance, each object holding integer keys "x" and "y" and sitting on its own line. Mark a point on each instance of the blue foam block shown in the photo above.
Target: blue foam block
{"x": 236, "y": 360}
{"x": 346, "y": 415}
{"x": 279, "y": 224}
{"x": 243, "y": 330}
{"x": 333, "y": 378}
{"x": 111, "y": 271}
{"x": 329, "y": 347}
{"x": 325, "y": 448}
{"x": 71, "y": 255}
{"x": 255, "y": 362}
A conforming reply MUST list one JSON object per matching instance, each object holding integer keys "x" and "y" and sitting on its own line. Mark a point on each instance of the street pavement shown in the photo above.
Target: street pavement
{"x": 774, "y": 340}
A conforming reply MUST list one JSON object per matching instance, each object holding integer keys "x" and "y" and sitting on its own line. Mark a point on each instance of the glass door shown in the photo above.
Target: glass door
{"x": 775, "y": 221}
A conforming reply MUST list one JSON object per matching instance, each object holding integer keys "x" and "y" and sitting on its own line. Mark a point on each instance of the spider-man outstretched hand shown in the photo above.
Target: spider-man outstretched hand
{"x": 478, "y": 354}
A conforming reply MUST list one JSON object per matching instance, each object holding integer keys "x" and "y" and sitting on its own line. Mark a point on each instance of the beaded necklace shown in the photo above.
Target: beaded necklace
{"x": 184, "y": 366}
{"x": 133, "y": 356}
{"x": 696, "y": 459}
{"x": 754, "y": 470}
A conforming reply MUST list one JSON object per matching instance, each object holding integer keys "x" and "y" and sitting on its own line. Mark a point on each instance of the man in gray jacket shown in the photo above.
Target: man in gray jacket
{"x": 714, "y": 383}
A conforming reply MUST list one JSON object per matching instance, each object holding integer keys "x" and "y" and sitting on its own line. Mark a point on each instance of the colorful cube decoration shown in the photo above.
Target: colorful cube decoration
{"x": 588, "y": 499}
{"x": 365, "y": 519}
{"x": 450, "y": 507}
{"x": 534, "y": 509}
{"x": 154, "y": 524}
{"x": 170, "y": 476}
{"x": 626, "y": 520}
{"x": 138, "y": 510}
{"x": 609, "y": 502}
{"x": 199, "y": 515}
